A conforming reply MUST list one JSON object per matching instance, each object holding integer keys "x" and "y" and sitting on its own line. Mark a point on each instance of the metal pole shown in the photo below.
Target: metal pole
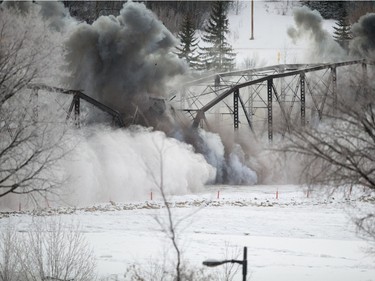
{"x": 34, "y": 100}
{"x": 244, "y": 264}
{"x": 252, "y": 20}
{"x": 269, "y": 109}
{"x": 334, "y": 88}
{"x": 365, "y": 77}
{"x": 235, "y": 109}
{"x": 303, "y": 106}
{"x": 77, "y": 111}
{"x": 217, "y": 108}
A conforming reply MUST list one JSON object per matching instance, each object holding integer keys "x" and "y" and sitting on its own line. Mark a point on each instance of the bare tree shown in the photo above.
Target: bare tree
{"x": 170, "y": 228}
{"x": 172, "y": 225}
{"x": 340, "y": 150}
{"x": 30, "y": 143}
{"x": 230, "y": 269}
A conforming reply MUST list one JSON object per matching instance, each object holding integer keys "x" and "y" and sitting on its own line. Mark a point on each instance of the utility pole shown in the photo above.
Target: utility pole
{"x": 252, "y": 20}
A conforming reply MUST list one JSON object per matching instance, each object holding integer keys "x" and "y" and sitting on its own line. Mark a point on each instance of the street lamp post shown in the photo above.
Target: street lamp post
{"x": 212, "y": 263}
{"x": 252, "y": 20}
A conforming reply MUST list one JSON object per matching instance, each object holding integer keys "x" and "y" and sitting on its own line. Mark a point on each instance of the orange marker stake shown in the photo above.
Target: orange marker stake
{"x": 277, "y": 194}
{"x": 218, "y": 194}
{"x": 151, "y": 195}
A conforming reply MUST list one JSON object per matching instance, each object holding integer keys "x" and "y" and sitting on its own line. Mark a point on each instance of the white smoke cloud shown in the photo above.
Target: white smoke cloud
{"x": 124, "y": 165}
{"x": 213, "y": 149}
{"x": 231, "y": 166}
{"x": 309, "y": 26}
{"x": 238, "y": 172}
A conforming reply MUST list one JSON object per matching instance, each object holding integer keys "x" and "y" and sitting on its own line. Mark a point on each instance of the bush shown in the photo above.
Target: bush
{"x": 50, "y": 250}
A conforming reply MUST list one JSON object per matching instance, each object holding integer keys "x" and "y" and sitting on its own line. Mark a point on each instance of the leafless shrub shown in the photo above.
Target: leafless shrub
{"x": 30, "y": 143}
{"x": 9, "y": 266}
{"x": 339, "y": 151}
{"x": 155, "y": 271}
{"x": 51, "y": 250}
{"x": 229, "y": 270}
{"x": 169, "y": 227}
{"x": 170, "y": 224}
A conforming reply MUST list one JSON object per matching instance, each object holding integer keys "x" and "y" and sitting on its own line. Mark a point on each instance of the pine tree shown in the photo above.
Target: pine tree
{"x": 219, "y": 55}
{"x": 188, "y": 43}
{"x": 342, "y": 33}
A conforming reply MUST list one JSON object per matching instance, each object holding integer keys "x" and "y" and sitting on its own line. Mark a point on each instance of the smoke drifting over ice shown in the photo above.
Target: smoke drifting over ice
{"x": 309, "y": 24}
{"x": 123, "y": 61}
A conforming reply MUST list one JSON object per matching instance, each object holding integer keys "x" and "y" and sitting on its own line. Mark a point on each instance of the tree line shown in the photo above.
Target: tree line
{"x": 183, "y": 18}
{"x": 346, "y": 13}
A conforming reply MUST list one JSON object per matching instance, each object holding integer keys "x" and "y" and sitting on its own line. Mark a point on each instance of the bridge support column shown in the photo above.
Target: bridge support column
{"x": 77, "y": 110}
{"x": 334, "y": 88}
{"x": 303, "y": 99}
{"x": 235, "y": 109}
{"x": 365, "y": 78}
{"x": 34, "y": 103}
{"x": 269, "y": 109}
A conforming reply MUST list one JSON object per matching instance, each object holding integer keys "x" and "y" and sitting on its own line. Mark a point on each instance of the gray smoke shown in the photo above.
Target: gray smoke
{"x": 123, "y": 61}
{"x": 56, "y": 14}
{"x": 127, "y": 63}
{"x": 22, "y": 7}
{"x": 363, "y": 43}
{"x": 309, "y": 24}
{"x": 52, "y": 12}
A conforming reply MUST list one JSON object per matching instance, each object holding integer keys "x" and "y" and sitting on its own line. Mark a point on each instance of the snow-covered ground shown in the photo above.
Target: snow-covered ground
{"x": 294, "y": 237}
{"x": 271, "y": 44}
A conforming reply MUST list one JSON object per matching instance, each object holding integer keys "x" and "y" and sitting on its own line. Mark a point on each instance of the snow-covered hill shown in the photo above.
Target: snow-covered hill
{"x": 271, "y": 44}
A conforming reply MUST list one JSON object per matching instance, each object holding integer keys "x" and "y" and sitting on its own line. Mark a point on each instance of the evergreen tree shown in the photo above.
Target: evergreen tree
{"x": 342, "y": 33}
{"x": 328, "y": 9}
{"x": 188, "y": 43}
{"x": 219, "y": 55}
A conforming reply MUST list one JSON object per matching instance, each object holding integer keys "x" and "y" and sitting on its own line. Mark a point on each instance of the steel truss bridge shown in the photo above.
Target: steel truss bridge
{"x": 255, "y": 99}
{"x": 252, "y": 97}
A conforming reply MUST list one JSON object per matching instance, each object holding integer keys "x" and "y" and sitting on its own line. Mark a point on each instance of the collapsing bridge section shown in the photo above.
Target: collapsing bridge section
{"x": 75, "y": 103}
{"x": 288, "y": 90}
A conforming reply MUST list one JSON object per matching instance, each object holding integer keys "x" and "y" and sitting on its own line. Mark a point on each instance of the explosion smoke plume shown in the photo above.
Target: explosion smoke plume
{"x": 309, "y": 24}
{"x": 323, "y": 48}
{"x": 123, "y": 61}
{"x": 363, "y": 43}
{"x": 126, "y": 60}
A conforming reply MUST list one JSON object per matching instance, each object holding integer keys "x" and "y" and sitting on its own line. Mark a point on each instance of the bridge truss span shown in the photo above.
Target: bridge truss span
{"x": 259, "y": 99}
{"x": 75, "y": 103}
